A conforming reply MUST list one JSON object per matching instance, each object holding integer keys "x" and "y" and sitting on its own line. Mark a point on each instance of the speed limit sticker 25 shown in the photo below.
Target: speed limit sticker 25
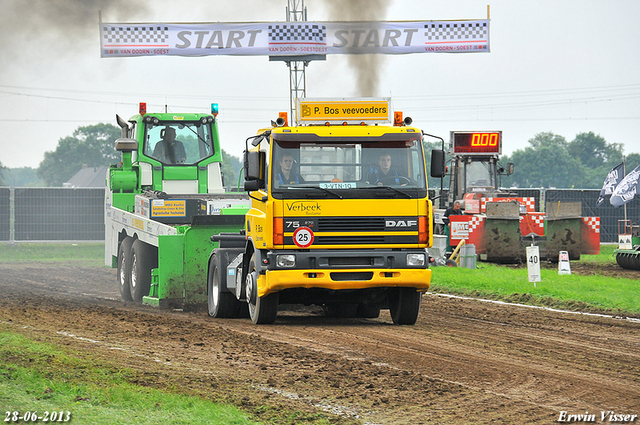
{"x": 303, "y": 237}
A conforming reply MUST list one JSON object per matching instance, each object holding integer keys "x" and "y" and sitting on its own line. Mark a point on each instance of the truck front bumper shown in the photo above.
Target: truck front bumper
{"x": 337, "y": 279}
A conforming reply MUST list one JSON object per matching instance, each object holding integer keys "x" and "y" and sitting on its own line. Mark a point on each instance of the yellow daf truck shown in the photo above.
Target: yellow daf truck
{"x": 339, "y": 217}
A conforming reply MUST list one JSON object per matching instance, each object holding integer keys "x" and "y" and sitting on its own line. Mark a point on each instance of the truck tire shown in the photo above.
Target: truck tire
{"x": 262, "y": 310}
{"x": 221, "y": 304}
{"x": 404, "y": 305}
{"x": 143, "y": 259}
{"x": 124, "y": 269}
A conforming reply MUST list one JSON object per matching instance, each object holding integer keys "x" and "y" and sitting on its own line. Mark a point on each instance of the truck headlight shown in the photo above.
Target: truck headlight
{"x": 286, "y": 260}
{"x": 416, "y": 260}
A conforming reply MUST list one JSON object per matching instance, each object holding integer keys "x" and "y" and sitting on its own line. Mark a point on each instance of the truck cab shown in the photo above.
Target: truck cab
{"x": 339, "y": 217}
{"x": 177, "y": 152}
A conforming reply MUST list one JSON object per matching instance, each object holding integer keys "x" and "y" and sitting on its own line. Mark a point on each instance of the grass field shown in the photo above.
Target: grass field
{"x": 590, "y": 293}
{"x": 86, "y": 254}
{"x": 37, "y": 377}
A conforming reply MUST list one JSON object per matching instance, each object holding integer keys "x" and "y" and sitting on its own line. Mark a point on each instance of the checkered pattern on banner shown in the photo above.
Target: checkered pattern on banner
{"x": 529, "y": 202}
{"x": 538, "y": 220}
{"x": 457, "y": 31}
{"x": 135, "y": 35}
{"x": 475, "y": 222}
{"x": 297, "y": 33}
{"x": 593, "y": 223}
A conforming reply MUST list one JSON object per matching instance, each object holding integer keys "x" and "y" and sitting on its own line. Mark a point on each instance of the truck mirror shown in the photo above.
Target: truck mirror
{"x": 509, "y": 168}
{"x": 252, "y": 185}
{"x": 126, "y": 145}
{"x": 438, "y": 165}
{"x": 254, "y": 165}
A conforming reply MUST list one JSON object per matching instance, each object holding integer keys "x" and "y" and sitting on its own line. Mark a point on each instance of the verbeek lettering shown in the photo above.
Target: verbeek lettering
{"x": 303, "y": 207}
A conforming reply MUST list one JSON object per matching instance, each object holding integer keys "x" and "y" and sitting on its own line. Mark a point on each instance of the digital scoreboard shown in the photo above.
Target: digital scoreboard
{"x": 476, "y": 142}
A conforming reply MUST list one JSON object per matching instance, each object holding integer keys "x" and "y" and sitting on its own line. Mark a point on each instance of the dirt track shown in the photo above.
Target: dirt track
{"x": 465, "y": 361}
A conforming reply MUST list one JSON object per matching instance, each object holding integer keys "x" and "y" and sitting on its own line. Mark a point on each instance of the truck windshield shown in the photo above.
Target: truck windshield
{"x": 347, "y": 169}
{"x": 184, "y": 143}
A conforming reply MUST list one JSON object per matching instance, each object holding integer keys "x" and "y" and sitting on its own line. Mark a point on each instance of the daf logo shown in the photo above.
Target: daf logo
{"x": 400, "y": 223}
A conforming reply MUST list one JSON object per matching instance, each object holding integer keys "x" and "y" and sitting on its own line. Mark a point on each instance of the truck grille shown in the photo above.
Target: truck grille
{"x": 343, "y": 276}
{"x": 351, "y": 224}
{"x": 350, "y": 239}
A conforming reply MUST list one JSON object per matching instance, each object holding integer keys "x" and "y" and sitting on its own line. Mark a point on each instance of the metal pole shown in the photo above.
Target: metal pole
{"x": 12, "y": 215}
{"x": 624, "y": 173}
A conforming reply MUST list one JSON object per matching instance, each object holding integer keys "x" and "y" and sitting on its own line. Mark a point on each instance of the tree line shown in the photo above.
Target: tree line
{"x": 548, "y": 161}
{"x": 93, "y": 146}
{"x": 551, "y": 162}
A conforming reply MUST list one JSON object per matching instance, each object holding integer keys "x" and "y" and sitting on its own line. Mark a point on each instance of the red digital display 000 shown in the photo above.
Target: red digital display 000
{"x": 482, "y": 143}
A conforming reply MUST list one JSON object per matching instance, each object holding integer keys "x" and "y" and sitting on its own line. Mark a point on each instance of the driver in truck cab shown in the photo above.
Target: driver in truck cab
{"x": 169, "y": 150}
{"x": 286, "y": 175}
{"x": 384, "y": 174}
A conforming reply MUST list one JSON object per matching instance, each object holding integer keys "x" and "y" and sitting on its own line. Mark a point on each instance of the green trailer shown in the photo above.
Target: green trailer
{"x": 163, "y": 203}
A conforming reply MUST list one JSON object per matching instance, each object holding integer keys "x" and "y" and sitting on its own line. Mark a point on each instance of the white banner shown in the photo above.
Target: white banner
{"x": 293, "y": 38}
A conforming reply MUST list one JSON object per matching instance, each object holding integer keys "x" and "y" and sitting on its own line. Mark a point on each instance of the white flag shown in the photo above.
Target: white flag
{"x": 626, "y": 189}
{"x": 610, "y": 183}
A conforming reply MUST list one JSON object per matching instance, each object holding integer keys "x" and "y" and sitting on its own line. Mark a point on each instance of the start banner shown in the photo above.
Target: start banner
{"x": 293, "y": 38}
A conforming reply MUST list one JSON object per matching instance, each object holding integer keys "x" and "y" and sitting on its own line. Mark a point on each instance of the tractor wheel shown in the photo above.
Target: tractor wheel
{"x": 220, "y": 303}
{"x": 451, "y": 263}
{"x": 143, "y": 259}
{"x": 124, "y": 269}
{"x": 262, "y": 310}
{"x": 404, "y": 305}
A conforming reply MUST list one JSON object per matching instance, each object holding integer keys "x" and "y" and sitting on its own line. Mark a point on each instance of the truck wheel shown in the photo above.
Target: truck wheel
{"x": 220, "y": 303}
{"x": 124, "y": 271}
{"x": 262, "y": 310}
{"x": 404, "y": 305}
{"x": 143, "y": 259}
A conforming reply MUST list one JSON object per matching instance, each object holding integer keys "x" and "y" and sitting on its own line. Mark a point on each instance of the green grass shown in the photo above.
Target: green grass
{"x": 605, "y": 256}
{"x": 86, "y": 254}
{"x": 39, "y": 377}
{"x": 587, "y": 293}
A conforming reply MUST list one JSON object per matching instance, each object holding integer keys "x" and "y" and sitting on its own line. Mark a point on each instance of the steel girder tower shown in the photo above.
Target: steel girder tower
{"x": 296, "y": 12}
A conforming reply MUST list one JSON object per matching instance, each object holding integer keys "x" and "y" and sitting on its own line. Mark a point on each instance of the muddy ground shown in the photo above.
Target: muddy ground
{"x": 465, "y": 361}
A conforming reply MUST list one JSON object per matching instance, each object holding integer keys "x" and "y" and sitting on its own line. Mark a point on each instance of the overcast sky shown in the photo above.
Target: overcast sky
{"x": 564, "y": 66}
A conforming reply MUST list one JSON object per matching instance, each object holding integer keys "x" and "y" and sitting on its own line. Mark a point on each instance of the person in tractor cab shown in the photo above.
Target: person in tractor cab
{"x": 384, "y": 174}
{"x": 286, "y": 175}
{"x": 169, "y": 150}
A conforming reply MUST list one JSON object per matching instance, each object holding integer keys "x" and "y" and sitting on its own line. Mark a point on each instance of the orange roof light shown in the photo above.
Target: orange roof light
{"x": 397, "y": 118}
{"x": 284, "y": 116}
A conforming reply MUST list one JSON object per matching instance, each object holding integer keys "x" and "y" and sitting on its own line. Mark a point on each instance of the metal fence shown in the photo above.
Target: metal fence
{"x": 51, "y": 214}
{"x": 77, "y": 214}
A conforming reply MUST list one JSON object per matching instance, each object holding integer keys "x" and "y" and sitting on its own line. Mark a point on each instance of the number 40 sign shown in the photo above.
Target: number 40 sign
{"x": 533, "y": 264}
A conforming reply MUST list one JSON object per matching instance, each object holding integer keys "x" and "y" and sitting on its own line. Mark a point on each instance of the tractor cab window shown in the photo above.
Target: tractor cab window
{"x": 479, "y": 175}
{"x": 184, "y": 143}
